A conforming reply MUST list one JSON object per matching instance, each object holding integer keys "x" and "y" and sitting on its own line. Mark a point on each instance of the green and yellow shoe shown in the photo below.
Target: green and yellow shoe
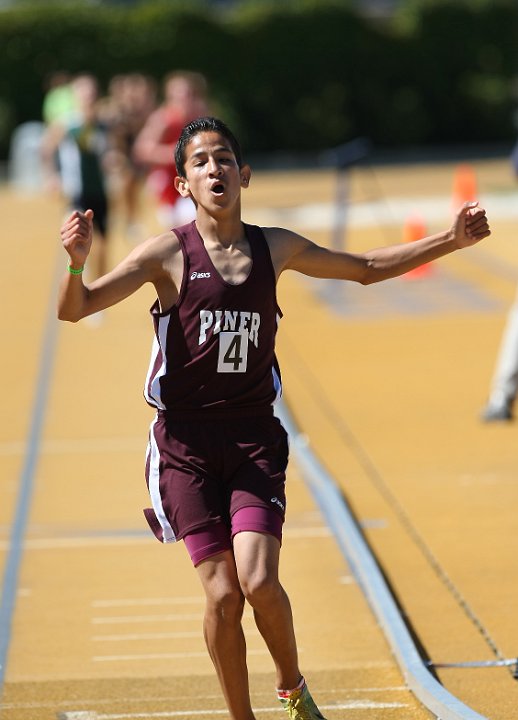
{"x": 301, "y": 706}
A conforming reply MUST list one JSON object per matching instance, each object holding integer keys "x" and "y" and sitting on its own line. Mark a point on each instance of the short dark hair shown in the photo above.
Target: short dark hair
{"x": 204, "y": 124}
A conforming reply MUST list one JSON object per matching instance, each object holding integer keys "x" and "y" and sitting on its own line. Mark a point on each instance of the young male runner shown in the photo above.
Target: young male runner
{"x": 217, "y": 456}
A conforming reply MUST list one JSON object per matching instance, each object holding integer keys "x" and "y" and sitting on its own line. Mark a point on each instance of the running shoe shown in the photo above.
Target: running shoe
{"x": 301, "y": 706}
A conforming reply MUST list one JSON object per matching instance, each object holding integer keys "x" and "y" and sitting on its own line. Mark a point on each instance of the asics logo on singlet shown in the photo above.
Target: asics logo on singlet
{"x": 199, "y": 276}
{"x": 276, "y": 501}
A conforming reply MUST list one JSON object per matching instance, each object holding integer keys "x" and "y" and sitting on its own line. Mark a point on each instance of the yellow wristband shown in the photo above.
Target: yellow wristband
{"x": 72, "y": 271}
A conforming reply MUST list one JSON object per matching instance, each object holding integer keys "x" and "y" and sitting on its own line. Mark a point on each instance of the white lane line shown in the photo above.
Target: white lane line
{"x": 165, "y": 656}
{"x": 132, "y": 602}
{"x": 80, "y": 445}
{"x": 178, "y": 698}
{"x": 147, "y": 636}
{"x": 347, "y": 580}
{"x": 322, "y": 531}
{"x": 395, "y": 688}
{"x": 71, "y": 543}
{"x": 185, "y": 634}
{"x": 121, "y": 619}
{"x": 139, "y": 538}
{"x": 350, "y": 705}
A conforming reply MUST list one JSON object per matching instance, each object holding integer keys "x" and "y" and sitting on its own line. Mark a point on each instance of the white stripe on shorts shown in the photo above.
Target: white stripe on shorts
{"x": 154, "y": 485}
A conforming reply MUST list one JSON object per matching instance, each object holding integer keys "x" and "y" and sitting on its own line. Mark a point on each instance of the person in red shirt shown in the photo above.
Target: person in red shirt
{"x": 185, "y": 99}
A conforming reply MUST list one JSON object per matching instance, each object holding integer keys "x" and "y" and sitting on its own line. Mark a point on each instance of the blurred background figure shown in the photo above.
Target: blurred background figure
{"x": 25, "y": 167}
{"x": 185, "y": 99}
{"x": 504, "y": 386}
{"x": 59, "y": 103}
{"x": 130, "y": 101}
{"x": 75, "y": 157}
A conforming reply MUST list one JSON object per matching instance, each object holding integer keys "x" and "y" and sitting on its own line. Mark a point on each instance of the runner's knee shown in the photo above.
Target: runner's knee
{"x": 225, "y": 601}
{"x": 260, "y": 588}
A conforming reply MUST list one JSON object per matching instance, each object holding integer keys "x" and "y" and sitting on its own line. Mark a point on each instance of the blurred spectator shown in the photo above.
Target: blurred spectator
{"x": 25, "y": 166}
{"x": 504, "y": 386}
{"x": 185, "y": 99}
{"x": 130, "y": 101}
{"x": 74, "y": 155}
{"x": 59, "y": 103}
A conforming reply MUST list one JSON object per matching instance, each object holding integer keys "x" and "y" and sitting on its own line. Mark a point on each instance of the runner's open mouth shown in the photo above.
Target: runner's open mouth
{"x": 218, "y": 189}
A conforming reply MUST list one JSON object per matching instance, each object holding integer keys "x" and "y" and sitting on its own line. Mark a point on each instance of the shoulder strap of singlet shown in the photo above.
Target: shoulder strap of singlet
{"x": 184, "y": 233}
{"x": 261, "y": 249}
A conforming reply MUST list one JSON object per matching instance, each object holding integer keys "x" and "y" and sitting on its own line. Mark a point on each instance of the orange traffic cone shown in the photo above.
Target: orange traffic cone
{"x": 414, "y": 229}
{"x": 464, "y": 186}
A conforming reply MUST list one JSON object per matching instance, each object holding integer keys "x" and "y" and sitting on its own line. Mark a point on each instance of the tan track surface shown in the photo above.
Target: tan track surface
{"x": 108, "y": 622}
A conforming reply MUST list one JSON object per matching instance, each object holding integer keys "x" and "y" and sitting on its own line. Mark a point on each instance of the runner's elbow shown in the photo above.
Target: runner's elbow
{"x": 67, "y": 316}
{"x": 369, "y": 274}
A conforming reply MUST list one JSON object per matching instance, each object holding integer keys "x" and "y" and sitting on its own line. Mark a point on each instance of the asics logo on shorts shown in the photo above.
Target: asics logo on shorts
{"x": 200, "y": 275}
{"x": 277, "y": 502}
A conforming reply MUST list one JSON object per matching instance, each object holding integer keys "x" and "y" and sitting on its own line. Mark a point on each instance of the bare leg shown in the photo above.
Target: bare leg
{"x": 223, "y": 631}
{"x": 257, "y": 561}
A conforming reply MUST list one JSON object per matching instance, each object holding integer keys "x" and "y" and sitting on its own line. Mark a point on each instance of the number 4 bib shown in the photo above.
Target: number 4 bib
{"x": 233, "y": 352}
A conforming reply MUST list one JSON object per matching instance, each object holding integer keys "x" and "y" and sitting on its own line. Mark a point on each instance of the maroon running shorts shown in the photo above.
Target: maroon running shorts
{"x": 201, "y": 472}
{"x": 214, "y": 539}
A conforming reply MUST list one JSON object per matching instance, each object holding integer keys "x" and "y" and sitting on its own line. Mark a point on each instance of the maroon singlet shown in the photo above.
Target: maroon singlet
{"x": 214, "y": 350}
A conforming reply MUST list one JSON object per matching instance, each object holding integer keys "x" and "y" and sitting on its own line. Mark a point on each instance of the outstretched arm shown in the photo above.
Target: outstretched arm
{"x": 154, "y": 261}
{"x": 293, "y": 252}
